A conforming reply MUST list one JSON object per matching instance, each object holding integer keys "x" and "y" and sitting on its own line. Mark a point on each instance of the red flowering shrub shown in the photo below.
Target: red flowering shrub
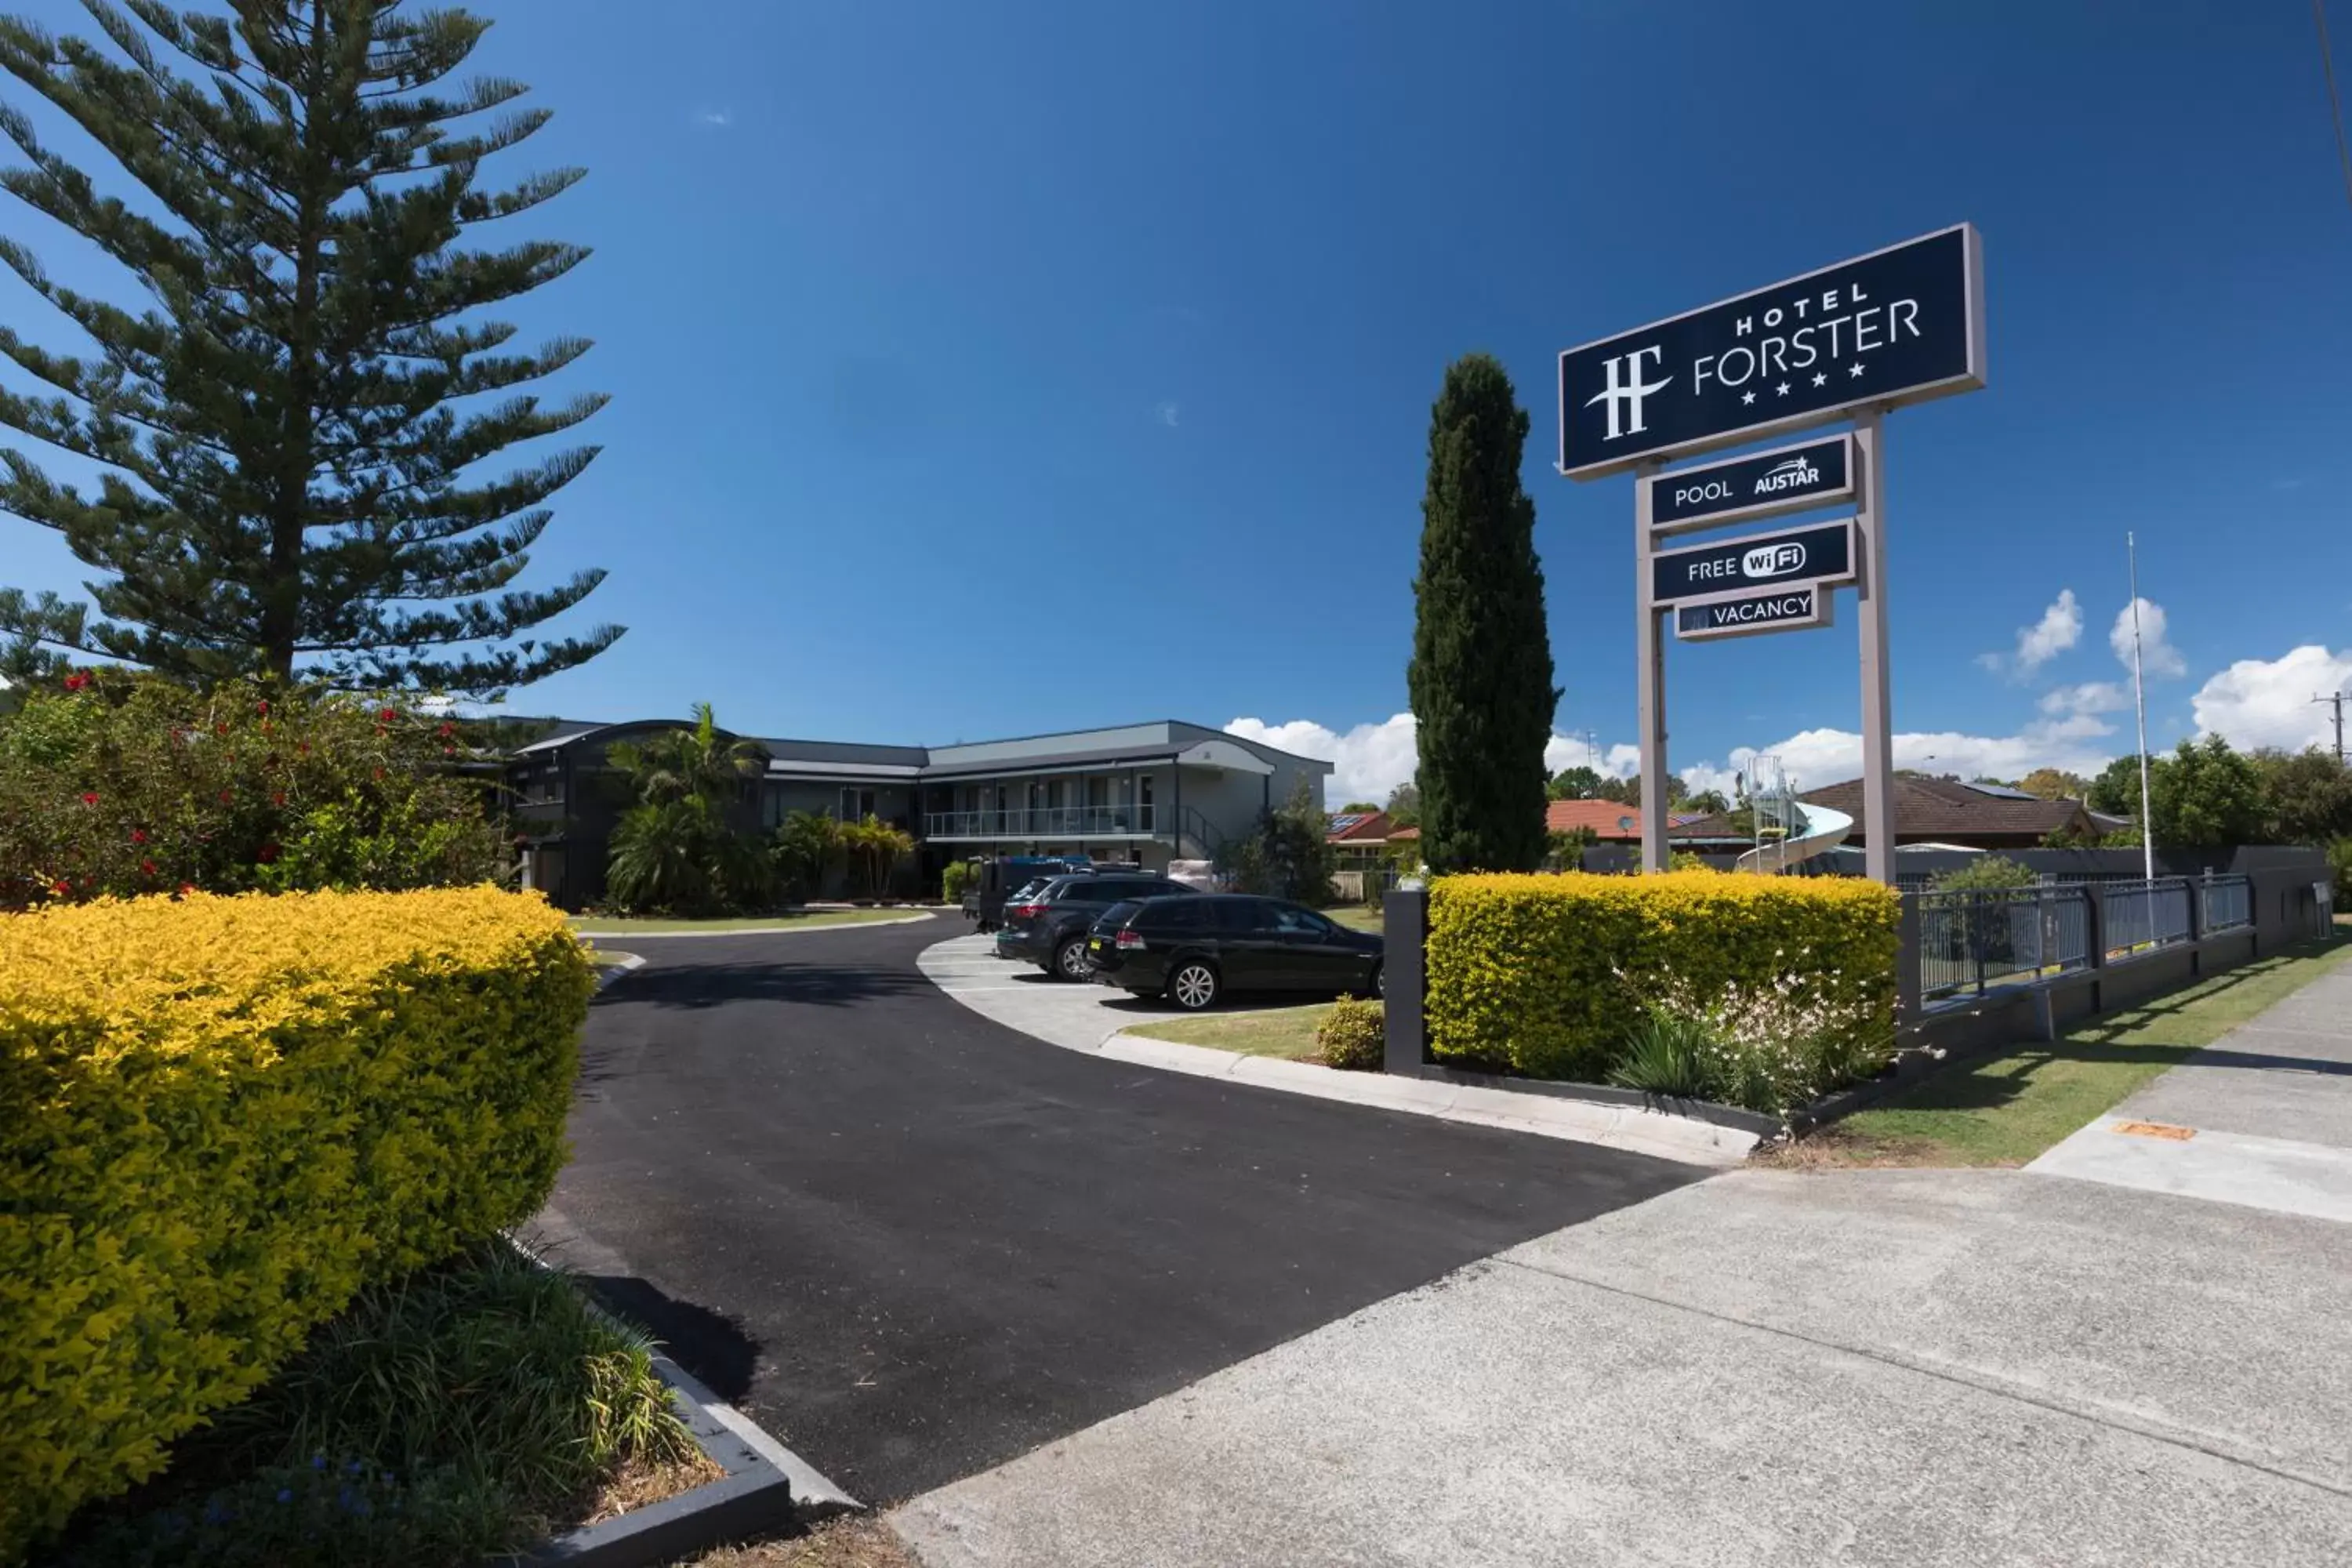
{"x": 127, "y": 785}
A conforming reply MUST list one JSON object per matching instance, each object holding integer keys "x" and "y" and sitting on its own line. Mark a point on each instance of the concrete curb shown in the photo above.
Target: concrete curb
{"x": 619, "y": 964}
{"x": 766, "y": 1484}
{"x": 1465, "y": 1098}
{"x": 754, "y": 930}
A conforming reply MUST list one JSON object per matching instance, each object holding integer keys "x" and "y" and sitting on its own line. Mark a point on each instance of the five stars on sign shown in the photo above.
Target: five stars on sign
{"x": 1782, "y": 389}
{"x": 1855, "y": 369}
{"x": 1821, "y": 378}
{"x": 1746, "y": 397}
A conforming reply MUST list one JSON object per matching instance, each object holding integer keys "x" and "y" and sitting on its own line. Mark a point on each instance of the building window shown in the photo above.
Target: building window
{"x": 857, "y": 804}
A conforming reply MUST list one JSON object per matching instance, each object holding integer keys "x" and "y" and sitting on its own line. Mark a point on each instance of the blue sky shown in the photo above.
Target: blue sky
{"x": 985, "y": 370}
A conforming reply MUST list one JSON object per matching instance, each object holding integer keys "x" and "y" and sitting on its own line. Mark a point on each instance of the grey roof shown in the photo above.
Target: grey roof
{"x": 850, "y": 759}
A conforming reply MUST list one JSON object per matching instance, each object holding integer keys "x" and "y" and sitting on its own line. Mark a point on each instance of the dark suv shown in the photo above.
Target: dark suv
{"x": 1194, "y": 951}
{"x": 1048, "y": 928}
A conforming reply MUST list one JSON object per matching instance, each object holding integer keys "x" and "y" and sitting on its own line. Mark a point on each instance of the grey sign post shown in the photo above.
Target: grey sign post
{"x": 1854, "y": 340}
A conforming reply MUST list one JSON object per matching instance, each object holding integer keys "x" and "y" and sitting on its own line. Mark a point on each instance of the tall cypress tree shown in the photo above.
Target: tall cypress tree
{"x": 1481, "y": 673}
{"x": 288, "y": 427}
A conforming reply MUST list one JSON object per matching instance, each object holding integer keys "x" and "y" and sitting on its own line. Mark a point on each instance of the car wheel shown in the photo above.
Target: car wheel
{"x": 1380, "y": 982}
{"x": 1193, "y": 986}
{"x": 1070, "y": 959}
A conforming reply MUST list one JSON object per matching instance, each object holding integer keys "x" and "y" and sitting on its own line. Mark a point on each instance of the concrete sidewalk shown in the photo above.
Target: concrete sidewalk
{"x": 1896, "y": 1367}
{"x": 2151, "y": 1364}
{"x": 2261, "y": 1118}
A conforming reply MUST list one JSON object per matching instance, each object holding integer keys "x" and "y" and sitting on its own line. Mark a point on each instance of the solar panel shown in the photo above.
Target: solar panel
{"x": 2002, "y": 792}
{"x": 1344, "y": 820}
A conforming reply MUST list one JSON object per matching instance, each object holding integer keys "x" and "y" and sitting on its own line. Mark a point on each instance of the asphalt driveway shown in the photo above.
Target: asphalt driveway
{"x": 915, "y": 1244}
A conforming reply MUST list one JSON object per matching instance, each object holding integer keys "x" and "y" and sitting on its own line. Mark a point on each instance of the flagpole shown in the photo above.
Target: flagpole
{"x": 2139, "y": 701}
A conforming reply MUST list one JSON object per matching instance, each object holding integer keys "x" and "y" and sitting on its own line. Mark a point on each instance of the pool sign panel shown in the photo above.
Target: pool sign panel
{"x": 1733, "y": 568}
{"x": 1897, "y": 326}
{"x": 1788, "y": 609}
{"x": 1787, "y": 479}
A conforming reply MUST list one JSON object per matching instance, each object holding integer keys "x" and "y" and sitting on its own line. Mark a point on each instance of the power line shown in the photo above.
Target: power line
{"x": 2334, "y": 99}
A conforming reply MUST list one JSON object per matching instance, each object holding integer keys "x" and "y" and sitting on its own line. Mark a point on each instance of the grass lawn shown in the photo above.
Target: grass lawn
{"x": 2004, "y": 1110}
{"x": 1356, "y": 917}
{"x": 1287, "y": 1032}
{"x": 615, "y": 925}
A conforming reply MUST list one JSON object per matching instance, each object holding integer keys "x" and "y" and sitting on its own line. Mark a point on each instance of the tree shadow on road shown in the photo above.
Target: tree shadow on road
{"x": 710, "y": 1345}
{"x": 695, "y": 986}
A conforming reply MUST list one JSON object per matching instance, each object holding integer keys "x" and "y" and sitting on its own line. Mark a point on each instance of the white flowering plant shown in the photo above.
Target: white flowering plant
{"x": 1771, "y": 1047}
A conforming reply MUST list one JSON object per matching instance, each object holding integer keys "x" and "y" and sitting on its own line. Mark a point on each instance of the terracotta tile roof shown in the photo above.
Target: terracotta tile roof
{"x": 1607, "y": 818}
{"x": 1359, "y": 828}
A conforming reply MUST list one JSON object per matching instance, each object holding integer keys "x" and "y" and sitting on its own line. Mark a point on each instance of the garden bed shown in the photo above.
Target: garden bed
{"x": 478, "y": 1407}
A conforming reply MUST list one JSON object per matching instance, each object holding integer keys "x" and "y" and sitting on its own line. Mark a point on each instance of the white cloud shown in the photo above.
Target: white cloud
{"x": 2268, "y": 702}
{"x": 1168, "y": 413}
{"x": 1367, "y": 762}
{"x": 2090, "y": 697}
{"x": 1370, "y": 760}
{"x": 2160, "y": 659}
{"x": 2060, "y": 628}
{"x": 719, "y": 118}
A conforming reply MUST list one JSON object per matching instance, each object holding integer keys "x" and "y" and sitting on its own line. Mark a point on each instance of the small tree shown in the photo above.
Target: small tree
{"x": 1578, "y": 783}
{"x": 806, "y": 847}
{"x": 1481, "y": 673}
{"x": 1986, "y": 873}
{"x": 1288, "y": 856}
{"x": 1404, "y": 805}
{"x": 2054, "y": 783}
{"x": 2306, "y": 795}
{"x": 2207, "y": 797}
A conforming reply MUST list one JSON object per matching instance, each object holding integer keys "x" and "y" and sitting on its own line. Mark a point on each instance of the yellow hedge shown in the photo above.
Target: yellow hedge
{"x": 1544, "y": 975}
{"x": 220, "y": 1116}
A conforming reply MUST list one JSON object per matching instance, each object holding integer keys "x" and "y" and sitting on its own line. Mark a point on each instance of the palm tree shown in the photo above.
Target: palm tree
{"x": 881, "y": 844}
{"x": 688, "y": 765}
{"x": 673, "y": 849}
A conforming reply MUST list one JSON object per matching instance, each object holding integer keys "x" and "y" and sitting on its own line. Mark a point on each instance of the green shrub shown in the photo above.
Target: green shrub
{"x": 957, "y": 880}
{"x": 1353, "y": 1035}
{"x": 1665, "y": 1053}
{"x": 443, "y": 1417}
{"x": 224, "y": 1117}
{"x": 1547, "y": 974}
{"x": 129, "y": 784}
{"x": 1991, "y": 873}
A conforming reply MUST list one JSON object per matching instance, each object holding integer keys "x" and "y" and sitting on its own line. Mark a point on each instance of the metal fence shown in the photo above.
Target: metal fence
{"x": 2142, "y": 917}
{"x": 2229, "y": 904}
{"x": 1976, "y": 940}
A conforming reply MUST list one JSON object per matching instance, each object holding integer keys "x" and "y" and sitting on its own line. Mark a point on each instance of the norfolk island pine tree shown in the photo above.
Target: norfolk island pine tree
{"x": 286, "y": 431}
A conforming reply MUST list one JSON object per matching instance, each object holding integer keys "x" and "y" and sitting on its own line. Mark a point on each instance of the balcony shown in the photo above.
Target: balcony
{"x": 1056, "y": 823}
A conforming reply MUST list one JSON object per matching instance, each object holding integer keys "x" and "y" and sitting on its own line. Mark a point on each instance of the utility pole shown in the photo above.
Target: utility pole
{"x": 2139, "y": 701}
{"x": 2335, "y": 699}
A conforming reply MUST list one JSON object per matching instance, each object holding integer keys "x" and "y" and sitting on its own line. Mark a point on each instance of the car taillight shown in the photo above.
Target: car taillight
{"x": 1027, "y": 911}
{"x": 1130, "y": 941}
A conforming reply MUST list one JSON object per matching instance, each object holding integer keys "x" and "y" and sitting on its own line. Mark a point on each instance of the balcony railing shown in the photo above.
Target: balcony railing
{"x": 1055, "y": 822}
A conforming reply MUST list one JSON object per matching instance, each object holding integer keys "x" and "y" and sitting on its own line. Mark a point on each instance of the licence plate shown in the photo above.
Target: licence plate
{"x": 1097, "y": 944}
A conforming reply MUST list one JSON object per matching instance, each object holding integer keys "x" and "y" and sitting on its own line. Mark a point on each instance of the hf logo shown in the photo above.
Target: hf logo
{"x": 1626, "y": 389}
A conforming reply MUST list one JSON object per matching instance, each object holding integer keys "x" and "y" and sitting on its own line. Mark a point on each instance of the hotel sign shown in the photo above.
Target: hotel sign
{"x": 1731, "y": 568}
{"x": 1781, "y": 610}
{"x": 1787, "y": 479}
{"x": 1897, "y": 326}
